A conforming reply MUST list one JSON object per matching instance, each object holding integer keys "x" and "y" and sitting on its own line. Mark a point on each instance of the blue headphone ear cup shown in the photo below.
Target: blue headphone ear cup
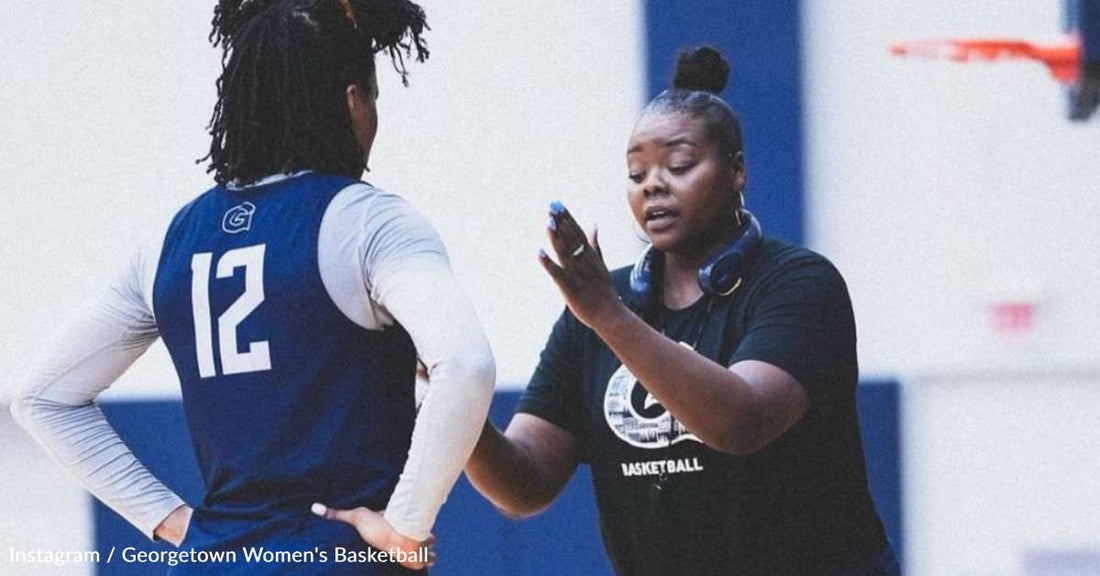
{"x": 641, "y": 280}
{"x": 721, "y": 274}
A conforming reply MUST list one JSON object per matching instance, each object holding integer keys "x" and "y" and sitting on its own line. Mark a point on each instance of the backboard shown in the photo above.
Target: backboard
{"x": 1082, "y": 21}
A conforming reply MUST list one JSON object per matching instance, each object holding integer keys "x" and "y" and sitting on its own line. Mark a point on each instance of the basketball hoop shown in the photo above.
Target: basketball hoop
{"x": 1073, "y": 60}
{"x": 1061, "y": 57}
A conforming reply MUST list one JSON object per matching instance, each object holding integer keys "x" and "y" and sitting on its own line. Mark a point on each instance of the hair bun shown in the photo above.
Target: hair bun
{"x": 703, "y": 69}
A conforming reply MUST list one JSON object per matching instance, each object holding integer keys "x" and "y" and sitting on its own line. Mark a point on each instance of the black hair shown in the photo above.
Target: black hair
{"x": 701, "y": 75}
{"x": 286, "y": 65}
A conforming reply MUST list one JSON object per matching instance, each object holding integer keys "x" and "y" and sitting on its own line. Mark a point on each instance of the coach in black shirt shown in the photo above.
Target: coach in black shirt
{"x": 711, "y": 387}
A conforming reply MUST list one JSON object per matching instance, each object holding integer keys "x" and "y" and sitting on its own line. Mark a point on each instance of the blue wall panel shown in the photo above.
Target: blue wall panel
{"x": 760, "y": 38}
{"x": 880, "y": 424}
{"x": 473, "y": 538}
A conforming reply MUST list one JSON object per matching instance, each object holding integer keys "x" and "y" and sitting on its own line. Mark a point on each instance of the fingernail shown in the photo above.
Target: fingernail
{"x": 552, "y": 224}
{"x": 556, "y": 208}
{"x": 542, "y": 253}
{"x": 318, "y": 509}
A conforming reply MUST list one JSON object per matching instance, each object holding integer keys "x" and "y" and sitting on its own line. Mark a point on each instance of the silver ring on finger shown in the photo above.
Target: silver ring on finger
{"x": 578, "y": 251}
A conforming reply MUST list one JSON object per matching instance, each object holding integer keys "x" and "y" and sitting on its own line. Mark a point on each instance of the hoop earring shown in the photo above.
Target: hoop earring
{"x": 738, "y": 211}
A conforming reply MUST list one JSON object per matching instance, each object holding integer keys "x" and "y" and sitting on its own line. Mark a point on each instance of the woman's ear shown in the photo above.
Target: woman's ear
{"x": 355, "y": 99}
{"x": 363, "y": 114}
{"x": 737, "y": 166}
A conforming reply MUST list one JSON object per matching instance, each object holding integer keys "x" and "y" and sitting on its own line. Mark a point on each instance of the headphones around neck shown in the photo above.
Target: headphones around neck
{"x": 720, "y": 275}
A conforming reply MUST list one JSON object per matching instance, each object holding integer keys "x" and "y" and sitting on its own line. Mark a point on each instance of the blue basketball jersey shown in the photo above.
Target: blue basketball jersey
{"x": 288, "y": 402}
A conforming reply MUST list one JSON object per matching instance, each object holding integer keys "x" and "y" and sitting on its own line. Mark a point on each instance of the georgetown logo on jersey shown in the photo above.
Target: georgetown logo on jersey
{"x": 238, "y": 218}
{"x": 637, "y": 417}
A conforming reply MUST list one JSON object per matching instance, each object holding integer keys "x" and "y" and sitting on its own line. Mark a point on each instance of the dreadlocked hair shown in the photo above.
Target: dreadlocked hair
{"x": 701, "y": 75}
{"x": 286, "y": 65}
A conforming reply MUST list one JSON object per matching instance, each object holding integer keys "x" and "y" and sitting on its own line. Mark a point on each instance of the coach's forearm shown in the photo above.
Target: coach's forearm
{"x": 715, "y": 403}
{"x": 503, "y": 471}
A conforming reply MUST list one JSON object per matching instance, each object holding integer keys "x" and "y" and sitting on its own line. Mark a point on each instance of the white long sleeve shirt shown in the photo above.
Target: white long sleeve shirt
{"x": 380, "y": 261}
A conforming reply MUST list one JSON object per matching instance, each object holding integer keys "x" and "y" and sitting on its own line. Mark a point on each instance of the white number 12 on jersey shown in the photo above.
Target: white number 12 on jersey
{"x": 257, "y": 358}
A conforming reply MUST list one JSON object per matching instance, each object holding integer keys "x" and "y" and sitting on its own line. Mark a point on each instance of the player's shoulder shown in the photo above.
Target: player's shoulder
{"x": 382, "y": 224}
{"x": 366, "y": 203}
{"x": 191, "y": 207}
{"x": 149, "y": 245}
{"x": 358, "y": 190}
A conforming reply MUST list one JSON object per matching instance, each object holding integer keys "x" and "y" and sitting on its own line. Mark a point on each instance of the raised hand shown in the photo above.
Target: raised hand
{"x": 580, "y": 272}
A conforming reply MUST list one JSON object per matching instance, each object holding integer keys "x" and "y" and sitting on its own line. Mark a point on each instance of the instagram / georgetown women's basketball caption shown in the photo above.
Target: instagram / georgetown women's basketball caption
{"x": 246, "y": 555}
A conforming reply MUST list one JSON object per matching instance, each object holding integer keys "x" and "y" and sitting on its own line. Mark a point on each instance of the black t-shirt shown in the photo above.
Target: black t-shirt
{"x": 669, "y": 504}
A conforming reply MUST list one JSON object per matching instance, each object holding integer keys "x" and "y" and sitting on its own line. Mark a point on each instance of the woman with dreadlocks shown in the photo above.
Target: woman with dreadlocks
{"x": 295, "y": 301}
